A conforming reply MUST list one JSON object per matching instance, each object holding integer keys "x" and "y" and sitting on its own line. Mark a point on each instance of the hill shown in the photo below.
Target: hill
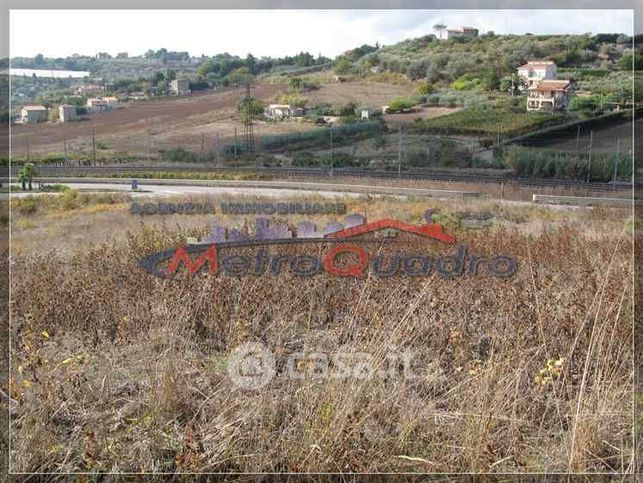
{"x": 446, "y": 60}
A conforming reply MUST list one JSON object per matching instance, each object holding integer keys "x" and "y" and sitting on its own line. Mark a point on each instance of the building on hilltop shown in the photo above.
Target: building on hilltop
{"x": 462, "y": 32}
{"x": 550, "y": 95}
{"x": 33, "y": 114}
{"x": 535, "y": 71}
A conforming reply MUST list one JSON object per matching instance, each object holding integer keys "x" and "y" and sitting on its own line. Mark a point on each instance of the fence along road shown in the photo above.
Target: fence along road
{"x": 90, "y": 171}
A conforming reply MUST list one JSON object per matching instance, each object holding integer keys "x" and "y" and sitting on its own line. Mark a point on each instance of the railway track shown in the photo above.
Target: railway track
{"x": 92, "y": 171}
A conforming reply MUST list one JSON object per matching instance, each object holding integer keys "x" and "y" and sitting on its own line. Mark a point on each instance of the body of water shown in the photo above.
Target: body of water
{"x": 52, "y": 74}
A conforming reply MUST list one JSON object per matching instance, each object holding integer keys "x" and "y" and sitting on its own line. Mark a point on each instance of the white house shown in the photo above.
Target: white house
{"x": 536, "y": 70}
{"x": 31, "y": 114}
{"x": 281, "y": 111}
{"x": 550, "y": 95}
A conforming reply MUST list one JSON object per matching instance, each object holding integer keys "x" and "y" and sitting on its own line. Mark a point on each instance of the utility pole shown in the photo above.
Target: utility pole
{"x": 618, "y": 142}
{"x": 148, "y": 147}
{"x": 399, "y": 156}
{"x": 65, "y": 149}
{"x": 93, "y": 147}
{"x": 589, "y": 162}
{"x": 235, "y": 142}
{"x": 332, "y": 164}
{"x": 577, "y": 137}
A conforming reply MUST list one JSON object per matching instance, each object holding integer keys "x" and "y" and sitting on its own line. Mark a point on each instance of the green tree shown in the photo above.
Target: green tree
{"x": 513, "y": 84}
{"x": 240, "y": 75}
{"x": 26, "y": 175}
{"x": 439, "y": 28}
{"x": 625, "y": 62}
{"x": 296, "y": 83}
{"x": 207, "y": 67}
{"x": 343, "y": 65}
{"x": 491, "y": 80}
{"x": 250, "y": 108}
{"x": 250, "y": 63}
{"x": 170, "y": 75}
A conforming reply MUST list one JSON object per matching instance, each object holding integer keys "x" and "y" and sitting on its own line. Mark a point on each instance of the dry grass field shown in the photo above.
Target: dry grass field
{"x": 114, "y": 370}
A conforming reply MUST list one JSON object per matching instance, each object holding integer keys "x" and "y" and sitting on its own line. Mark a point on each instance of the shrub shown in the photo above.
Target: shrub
{"x": 400, "y": 103}
{"x": 292, "y": 99}
{"x": 26, "y": 206}
{"x": 178, "y": 155}
{"x": 69, "y": 199}
{"x": 466, "y": 83}
{"x": 425, "y": 89}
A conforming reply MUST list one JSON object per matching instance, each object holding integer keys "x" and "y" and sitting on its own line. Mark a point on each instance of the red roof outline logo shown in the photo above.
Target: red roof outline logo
{"x": 429, "y": 230}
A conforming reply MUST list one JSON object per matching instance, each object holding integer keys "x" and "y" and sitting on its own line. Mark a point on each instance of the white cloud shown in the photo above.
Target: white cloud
{"x": 58, "y": 33}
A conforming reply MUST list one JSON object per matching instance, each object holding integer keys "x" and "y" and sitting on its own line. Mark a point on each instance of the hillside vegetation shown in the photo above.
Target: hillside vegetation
{"x": 447, "y": 60}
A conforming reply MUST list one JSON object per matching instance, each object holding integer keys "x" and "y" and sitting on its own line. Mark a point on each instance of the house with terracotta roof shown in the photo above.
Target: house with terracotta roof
{"x": 536, "y": 70}
{"x": 550, "y": 95}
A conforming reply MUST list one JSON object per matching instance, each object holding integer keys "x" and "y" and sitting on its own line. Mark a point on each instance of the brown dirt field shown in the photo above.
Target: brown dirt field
{"x": 210, "y": 118}
{"x": 371, "y": 94}
{"x": 169, "y": 121}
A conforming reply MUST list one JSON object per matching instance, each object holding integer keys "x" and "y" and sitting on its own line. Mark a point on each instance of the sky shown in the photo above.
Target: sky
{"x": 275, "y": 33}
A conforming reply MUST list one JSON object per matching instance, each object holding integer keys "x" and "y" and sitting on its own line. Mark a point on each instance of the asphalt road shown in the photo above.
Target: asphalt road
{"x": 169, "y": 190}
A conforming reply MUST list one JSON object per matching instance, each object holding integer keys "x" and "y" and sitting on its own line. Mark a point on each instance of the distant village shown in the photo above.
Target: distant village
{"x": 99, "y": 102}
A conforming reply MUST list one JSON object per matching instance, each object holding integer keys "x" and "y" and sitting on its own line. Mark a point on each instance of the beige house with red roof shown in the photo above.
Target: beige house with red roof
{"x": 550, "y": 95}
{"x": 536, "y": 70}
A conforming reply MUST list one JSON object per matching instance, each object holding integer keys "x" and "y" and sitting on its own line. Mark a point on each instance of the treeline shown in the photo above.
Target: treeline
{"x": 220, "y": 67}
